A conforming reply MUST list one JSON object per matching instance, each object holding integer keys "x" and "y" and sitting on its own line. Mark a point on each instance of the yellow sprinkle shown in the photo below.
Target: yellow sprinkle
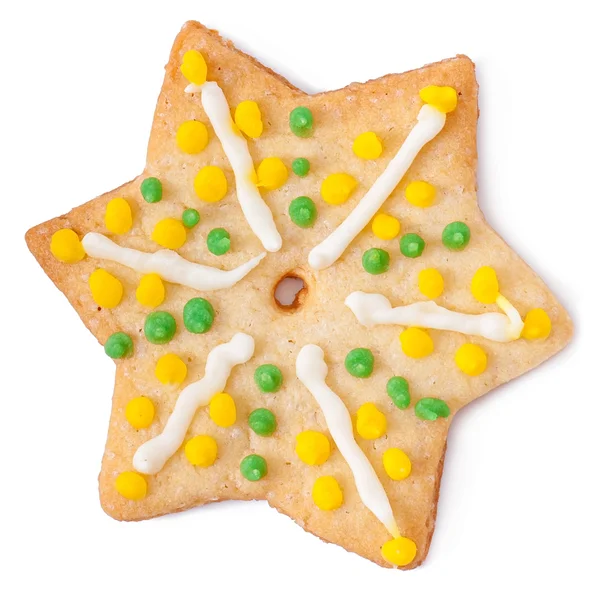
{"x": 222, "y": 410}
{"x": 117, "y": 217}
{"x": 471, "y": 359}
{"x": 431, "y": 283}
{"x": 248, "y": 118}
{"x": 443, "y": 98}
{"x": 201, "y": 451}
{"x": 370, "y": 422}
{"x": 66, "y": 247}
{"x": 396, "y": 464}
{"x": 210, "y": 184}
{"x": 131, "y": 485}
{"x": 140, "y": 412}
{"x": 272, "y": 173}
{"x": 416, "y": 343}
{"x": 368, "y": 146}
{"x": 194, "y": 67}
{"x": 484, "y": 285}
{"x": 400, "y": 551}
{"x": 170, "y": 369}
{"x": 336, "y": 188}
{"x": 385, "y": 227}
{"x": 312, "y": 447}
{"x": 169, "y": 233}
{"x": 537, "y": 325}
{"x": 106, "y": 289}
{"x": 192, "y": 137}
{"x": 150, "y": 291}
{"x": 420, "y": 193}
{"x": 327, "y": 493}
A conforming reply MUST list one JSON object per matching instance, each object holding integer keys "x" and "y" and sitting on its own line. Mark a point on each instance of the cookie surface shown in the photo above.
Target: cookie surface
{"x": 388, "y": 106}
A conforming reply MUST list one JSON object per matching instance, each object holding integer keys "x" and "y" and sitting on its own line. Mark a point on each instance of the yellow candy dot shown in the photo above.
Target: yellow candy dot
{"x": 336, "y": 188}
{"x": 471, "y": 359}
{"x": 131, "y": 485}
{"x": 169, "y": 233}
{"x": 368, "y": 146}
{"x": 170, "y": 369}
{"x": 537, "y": 325}
{"x": 400, "y": 551}
{"x": 484, "y": 285}
{"x": 201, "y": 451}
{"x": 370, "y": 422}
{"x": 385, "y": 227}
{"x": 192, "y": 137}
{"x": 327, "y": 493}
{"x": 312, "y": 447}
{"x": 150, "y": 291}
{"x": 431, "y": 283}
{"x": 271, "y": 173}
{"x": 444, "y": 98}
{"x": 396, "y": 464}
{"x": 222, "y": 410}
{"x": 420, "y": 193}
{"x": 117, "y": 217}
{"x": 248, "y": 118}
{"x": 140, "y": 412}
{"x": 106, "y": 289}
{"x": 66, "y": 247}
{"x": 210, "y": 184}
{"x": 194, "y": 67}
{"x": 416, "y": 343}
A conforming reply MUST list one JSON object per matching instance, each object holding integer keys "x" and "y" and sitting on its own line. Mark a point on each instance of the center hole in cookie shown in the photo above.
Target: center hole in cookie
{"x": 290, "y": 291}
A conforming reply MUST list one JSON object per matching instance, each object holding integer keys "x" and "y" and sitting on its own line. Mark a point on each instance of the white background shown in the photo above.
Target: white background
{"x": 519, "y": 510}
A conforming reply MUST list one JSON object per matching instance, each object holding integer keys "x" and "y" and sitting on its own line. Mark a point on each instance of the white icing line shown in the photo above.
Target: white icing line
{"x": 311, "y": 369}
{"x": 168, "y": 264}
{"x": 376, "y": 309}
{"x": 235, "y": 146}
{"x": 430, "y": 122}
{"x": 151, "y": 457}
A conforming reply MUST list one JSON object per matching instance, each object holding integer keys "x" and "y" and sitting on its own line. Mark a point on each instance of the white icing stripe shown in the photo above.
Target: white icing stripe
{"x": 235, "y": 146}
{"x": 151, "y": 457}
{"x": 312, "y": 371}
{"x": 168, "y": 264}
{"x": 430, "y": 122}
{"x": 376, "y": 309}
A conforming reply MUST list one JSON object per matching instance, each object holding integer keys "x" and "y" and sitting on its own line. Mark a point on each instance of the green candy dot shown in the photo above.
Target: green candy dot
{"x": 268, "y": 378}
{"x": 429, "y": 409}
{"x": 376, "y": 261}
{"x": 303, "y": 211}
{"x": 412, "y": 245}
{"x": 397, "y": 389}
{"x": 159, "y": 327}
{"x": 151, "y": 189}
{"x": 198, "y": 315}
{"x": 262, "y": 421}
{"x": 359, "y": 362}
{"x": 301, "y": 122}
{"x": 218, "y": 241}
{"x": 253, "y": 467}
{"x": 119, "y": 345}
{"x": 190, "y": 217}
{"x": 301, "y": 166}
{"x": 456, "y": 235}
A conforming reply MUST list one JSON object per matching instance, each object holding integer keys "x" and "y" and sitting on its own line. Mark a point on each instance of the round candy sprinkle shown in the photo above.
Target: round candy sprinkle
{"x": 150, "y": 291}
{"x": 159, "y": 327}
{"x": 194, "y": 67}
{"x": 117, "y": 217}
{"x": 139, "y": 412}
{"x": 201, "y": 451}
{"x": 106, "y": 289}
{"x": 303, "y": 211}
{"x": 262, "y": 421}
{"x": 152, "y": 190}
{"x": 385, "y": 227}
{"x": 327, "y": 493}
{"x": 416, "y": 343}
{"x": 271, "y": 173}
{"x": 119, "y": 345}
{"x": 367, "y": 146}
{"x": 337, "y": 187}
{"x": 431, "y": 283}
{"x": 131, "y": 485}
{"x": 301, "y": 122}
{"x": 484, "y": 285}
{"x": 169, "y": 233}
{"x": 210, "y": 184}
{"x": 420, "y": 193}
{"x": 301, "y": 167}
{"x": 396, "y": 464}
{"x": 66, "y": 247}
{"x": 190, "y": 217}
{"x": 400, "y": 551}
{"x": 456, "y": 235}
{"x": 170, "y": 369}
{"x": 312, "y": 447}
{"x": 222, "y": 410}
{"x": 397, "y": 390}
{"x": 471, "y": 359}
{"x": 192, "y": 137}
{"x": 359, "y": 362}
{"x": 198, "y": 315}
{"x": 412, "y": 245}
{"x": 268, "y": 378}
{"x": 218, "y": 241}
{"x": 537, "y": 325}
{"x": 248, "y": 118}
{"x": 370, "y": 422}
{"x": 253, "y": 467}
{"x": 429, "y": 409}
{"x": 376, "y": 261}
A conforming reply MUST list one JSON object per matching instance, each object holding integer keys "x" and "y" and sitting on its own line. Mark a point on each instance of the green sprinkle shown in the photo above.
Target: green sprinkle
{"x": 218, "y": 241}
{"x": 301, "y": 122}
{"x": 359, "y": 362}
{"x": 190, "y": 217}
{"x": 262, "y": 421}
{"x": 376, "y": 261}
{"x": 159, "y": 327}
{"x": 397, "y": 389}
{"x": 253, "y": 467}
{"x": 429, "y": 409}
{"x": 268, "y": 378}
{"x": 456, "y": 235}
{"x": 198, "y": 315}
{"x": 151, "y": 189}
{"x": 301, "y": 166}
{"x": 303, "y": 211}
{"x": 119, "y": 345}
{"x": 412, "y": 245}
